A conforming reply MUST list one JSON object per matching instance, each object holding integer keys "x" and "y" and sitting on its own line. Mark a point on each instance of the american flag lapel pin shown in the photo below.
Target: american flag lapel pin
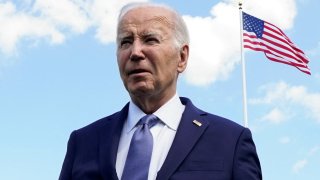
{"x": 197, "y": 123}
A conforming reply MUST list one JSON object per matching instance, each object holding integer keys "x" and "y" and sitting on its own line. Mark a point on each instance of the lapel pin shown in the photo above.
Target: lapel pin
{"x": 197, "y": 123}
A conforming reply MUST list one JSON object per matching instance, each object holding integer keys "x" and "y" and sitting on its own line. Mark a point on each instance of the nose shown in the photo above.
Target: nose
{"x": 137, "y": 51}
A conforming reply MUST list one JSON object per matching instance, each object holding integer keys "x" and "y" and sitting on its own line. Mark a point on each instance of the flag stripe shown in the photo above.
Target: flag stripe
{"x": 282, "y": 37}
{"x": 259, "y": 35}
{"x": 296, "y": 55}
{"x": 303, "y": 69}
{"x": 280, "y": 58}
{"x": 270, "y": 46}
{"x": 279, "y": 48}
{"x": 272, "y": 57}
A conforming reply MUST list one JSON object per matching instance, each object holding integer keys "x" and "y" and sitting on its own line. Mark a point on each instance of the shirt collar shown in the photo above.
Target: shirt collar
{"x": 170, "y": 114}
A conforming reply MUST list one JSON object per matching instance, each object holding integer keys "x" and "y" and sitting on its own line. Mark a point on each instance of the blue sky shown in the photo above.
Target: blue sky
{"x": 58, "y": 73}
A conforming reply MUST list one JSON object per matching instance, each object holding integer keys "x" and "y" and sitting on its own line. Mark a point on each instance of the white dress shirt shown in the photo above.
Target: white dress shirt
{"x": 163, "y": 134}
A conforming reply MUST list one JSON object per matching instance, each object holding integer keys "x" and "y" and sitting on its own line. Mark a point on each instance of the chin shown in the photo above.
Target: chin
{"x": 140, "y": 91}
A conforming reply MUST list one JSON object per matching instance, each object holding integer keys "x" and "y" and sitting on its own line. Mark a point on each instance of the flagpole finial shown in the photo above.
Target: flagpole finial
{"x": 240, "y": 5}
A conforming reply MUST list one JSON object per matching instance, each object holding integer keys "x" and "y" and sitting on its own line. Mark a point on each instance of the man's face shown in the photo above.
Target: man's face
{"x": 148, "y": 58}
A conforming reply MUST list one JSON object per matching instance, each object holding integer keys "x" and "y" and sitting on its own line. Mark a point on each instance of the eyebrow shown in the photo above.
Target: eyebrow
{"x": 128, "y": 35}
{"x": 150, "y": 33}
{"x": 124, "y": 35}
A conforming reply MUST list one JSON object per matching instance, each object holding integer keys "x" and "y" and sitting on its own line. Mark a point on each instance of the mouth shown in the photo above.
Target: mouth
{"x": 137, "y": 71}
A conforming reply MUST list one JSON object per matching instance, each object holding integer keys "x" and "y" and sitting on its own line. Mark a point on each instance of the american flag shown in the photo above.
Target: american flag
{"x": 262, "y": 36}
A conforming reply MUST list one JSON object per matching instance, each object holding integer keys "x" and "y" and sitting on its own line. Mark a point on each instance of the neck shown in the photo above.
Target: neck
{"x": 151, "y": 104}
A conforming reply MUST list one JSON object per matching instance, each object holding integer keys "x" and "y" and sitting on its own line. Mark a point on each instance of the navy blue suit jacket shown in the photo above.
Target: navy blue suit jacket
{"x": 219, "y": 149}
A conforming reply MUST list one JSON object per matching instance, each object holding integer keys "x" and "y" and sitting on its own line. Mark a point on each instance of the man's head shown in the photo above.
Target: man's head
{"x": 181, "y": 31}
{"x": 152, "y": 49}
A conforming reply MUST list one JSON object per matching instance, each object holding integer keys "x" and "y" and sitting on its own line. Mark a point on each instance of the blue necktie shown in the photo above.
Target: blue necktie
{"x": 140, "y": 151}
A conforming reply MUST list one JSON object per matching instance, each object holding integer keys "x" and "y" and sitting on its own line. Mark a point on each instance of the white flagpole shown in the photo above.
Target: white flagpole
{"x": 244, "y": 81}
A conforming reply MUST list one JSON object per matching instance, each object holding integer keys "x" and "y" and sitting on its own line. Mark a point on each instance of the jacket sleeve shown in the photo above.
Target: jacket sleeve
{"x": 66, "y": 171}
{"x": 246, "y": 162}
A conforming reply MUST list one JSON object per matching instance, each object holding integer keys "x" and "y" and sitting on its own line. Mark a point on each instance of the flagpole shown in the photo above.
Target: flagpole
{"x": 244, "y": 81}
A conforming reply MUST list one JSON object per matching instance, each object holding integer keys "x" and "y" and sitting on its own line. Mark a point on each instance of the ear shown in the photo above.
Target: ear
{"x": 184, "y": 55}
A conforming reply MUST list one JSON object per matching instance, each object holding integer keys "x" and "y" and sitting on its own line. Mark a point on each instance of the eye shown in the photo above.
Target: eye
{"x": 152, "y": 40}
{"x": 125, "y": 43}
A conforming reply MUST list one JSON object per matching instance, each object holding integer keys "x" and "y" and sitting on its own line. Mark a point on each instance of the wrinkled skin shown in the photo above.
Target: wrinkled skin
{"x": 148, "y": 57}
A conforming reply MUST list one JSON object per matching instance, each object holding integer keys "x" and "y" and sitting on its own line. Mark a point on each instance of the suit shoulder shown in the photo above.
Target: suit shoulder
{"x": 212, "y": 119}
{"x": 222, "y": 124}
{"x": 224, "y": 128}
{"x": 99, "y": 124}
{"x": 218, "y": 120}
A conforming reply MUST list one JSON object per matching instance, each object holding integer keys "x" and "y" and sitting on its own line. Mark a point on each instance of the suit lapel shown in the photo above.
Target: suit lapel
{"x": 190, "y": 129}
{"x": 109, "y": 141}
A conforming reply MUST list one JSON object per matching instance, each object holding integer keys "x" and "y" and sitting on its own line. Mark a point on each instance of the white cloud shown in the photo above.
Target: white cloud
{"x": 104, "y": 15}
{"x": 215, "y": 41}
{"x": 272, "y": 93}
{"x": 55, "y": 20}
{"x": 64, "y": 14}
{"x": 285, "y": 97}
{"x": 214, "y": 45}
{"x": 275, "y": 116}
{"x": 315, "y": 52}
{"x": 286, "y": 9}
{"x": 298, "y": 166}
{"x": 314, "y": 150}
{"x": 285, "y": 140}
{"x": 311, "y": 101}
{"x": 18, "y": 25}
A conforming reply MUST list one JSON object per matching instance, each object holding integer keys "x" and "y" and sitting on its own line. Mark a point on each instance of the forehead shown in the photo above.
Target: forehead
{"x": 148, "y": 18}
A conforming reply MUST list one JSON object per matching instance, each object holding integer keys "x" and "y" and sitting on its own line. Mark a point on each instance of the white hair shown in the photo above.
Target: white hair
{"x": 181, "y": 33}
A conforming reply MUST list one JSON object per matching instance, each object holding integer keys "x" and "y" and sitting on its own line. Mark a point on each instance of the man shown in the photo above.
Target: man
{"x": 186, "y": 143}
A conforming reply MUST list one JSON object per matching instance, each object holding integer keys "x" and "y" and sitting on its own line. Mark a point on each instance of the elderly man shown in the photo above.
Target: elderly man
{"x": 158, "y": 135}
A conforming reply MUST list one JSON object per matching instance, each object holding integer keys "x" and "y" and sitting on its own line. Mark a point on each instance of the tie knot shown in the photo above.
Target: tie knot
{"x": 149, "y": 120}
